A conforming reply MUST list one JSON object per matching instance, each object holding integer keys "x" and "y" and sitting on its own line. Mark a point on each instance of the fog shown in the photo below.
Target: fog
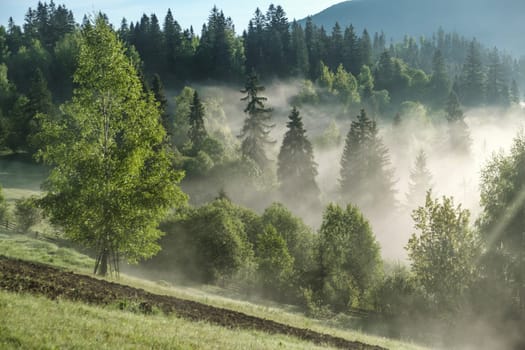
{"x": 456, "y": 175}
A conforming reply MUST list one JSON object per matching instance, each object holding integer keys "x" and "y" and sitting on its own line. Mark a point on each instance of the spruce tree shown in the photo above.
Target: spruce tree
{"x": 420, "y": 181}
{"x": 497, "y": 91}
{"x": 514, "y": 92}
{"x": 197, "y": 131}
{"x": 40, "y": 101}
{"x": 439, "y": 84}
{"x": 366, "y": 177}
{"x": 160, "y": 96}
{"x": 458, "y": 131}
{"x": 256, "y": 129}
{"x": 472, "y": 77}
{"x": 297, "y": 169}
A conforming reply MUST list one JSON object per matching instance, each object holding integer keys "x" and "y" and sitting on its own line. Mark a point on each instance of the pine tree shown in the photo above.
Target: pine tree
{"x": 420, "y": 181}
{"x": 365, "y": 50}
{"x": 298, "y": 50}
{"x": 160, "y": 96}
{"x": 40, "y": 101}
{"x": 172, "y": 43}
{"x": 256, "y": 129}
{"x": 439, "y": 84}
{"x": 497, "y": 93}
{"x": 458, "y": 131}
{"x": 197, "y": 132}
{"x": 351, "y": 51}
{"x": 515, "y": 93}
{"x": 297, "y": 169}
{"x": 472, "y": 77}
{"x": 366, "y": 177}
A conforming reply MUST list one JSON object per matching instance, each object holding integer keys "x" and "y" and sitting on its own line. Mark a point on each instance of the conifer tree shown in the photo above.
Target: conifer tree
{"x": 497, "y": 92}
{"x": 439, "y": 82}
{"x": 514, "y": 92}
{"x": 459, "y": 134}
{"x": 366, "y": 177}
{"x": 297, "y": 169}
{"x": 40, "y": 101}
{"x": 256, "y": 129}
{"x": 197, "y": 131}
{"x": 472, "y": 77}
{"x": 160, "y": 96}
{"x": 420, "y": 181}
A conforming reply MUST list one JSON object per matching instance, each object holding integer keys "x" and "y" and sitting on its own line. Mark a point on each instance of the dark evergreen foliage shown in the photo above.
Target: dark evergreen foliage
{"x": 297, "y": 169}
{"x": 197, "y": 131}
{"x": 366, "y": 177}
{"x": 256, "y": 129}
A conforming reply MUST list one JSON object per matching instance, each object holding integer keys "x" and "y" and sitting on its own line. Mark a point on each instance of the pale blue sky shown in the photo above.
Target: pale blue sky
{"x": 186, "y": 12}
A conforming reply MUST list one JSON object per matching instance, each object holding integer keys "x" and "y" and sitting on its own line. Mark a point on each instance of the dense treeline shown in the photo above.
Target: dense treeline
{"x": 459, "y": 271}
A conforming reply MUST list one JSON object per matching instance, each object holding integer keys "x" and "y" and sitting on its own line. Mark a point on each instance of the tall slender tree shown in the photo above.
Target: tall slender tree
{"x": 366, "y": 177}
{"x": 197, "y": 131}
{"x": 458, "y": 131}
{"x": 256, "y": 129}
{"x": 112, "y": 180}
{"x": 420, "y": 181}
{"x": 297, "y": 169}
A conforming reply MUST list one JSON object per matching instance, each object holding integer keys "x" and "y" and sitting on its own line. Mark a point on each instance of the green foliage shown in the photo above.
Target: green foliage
{"x": 366, "y": 178}
{"x": 297, "y": 169}
{"x": 298, "y": 237}
{"x": 112, "y": 180}
{"x": 459, "y": 134}
{"x": 307, "y": 94}
{"x": 211, "y": 242}
{"x": 348, "y": 258}
{"x": 331, "y": 136}
{"x": 275, "y": 265}
{"x": 420, "y": 181}
{"x": 398, "y": 294}
{"x": 444, "y": 252}
{"x": 501, "y": 224}
{"x": 26, "y": 213}
{"x": 255, "y": 131}
{"x": 181, "y": 124}
{"x": 472, "y": 81}
{"x": 4, "y": 210}
{"x": 439, "y": 84}
{"x": 197, "y": 132}
{"x": 366, "y": 83}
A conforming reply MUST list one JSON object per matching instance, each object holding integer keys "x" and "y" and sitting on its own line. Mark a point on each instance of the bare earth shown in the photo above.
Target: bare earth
{"x": 28, "y": 277}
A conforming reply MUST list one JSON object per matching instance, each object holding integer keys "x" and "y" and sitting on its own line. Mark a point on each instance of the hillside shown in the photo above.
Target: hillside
{"x": 482, "y": 19}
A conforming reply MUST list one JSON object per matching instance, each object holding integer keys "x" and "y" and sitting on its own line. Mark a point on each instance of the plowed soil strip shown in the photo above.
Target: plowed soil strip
{"x": 22, "y": 276}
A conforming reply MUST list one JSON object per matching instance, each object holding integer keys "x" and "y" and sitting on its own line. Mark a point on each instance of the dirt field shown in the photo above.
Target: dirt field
{"x": 22, "y": 276}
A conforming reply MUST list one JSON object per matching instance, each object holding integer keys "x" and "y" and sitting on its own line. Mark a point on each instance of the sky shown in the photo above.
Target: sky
{"x": 186, "y": 12}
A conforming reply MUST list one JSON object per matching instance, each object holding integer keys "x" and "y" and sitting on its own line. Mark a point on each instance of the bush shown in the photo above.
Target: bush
{"x": 26, "y": 214}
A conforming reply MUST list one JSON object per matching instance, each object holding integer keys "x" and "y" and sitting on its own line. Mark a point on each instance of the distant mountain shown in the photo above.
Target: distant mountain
{"x": 498, "y": 23}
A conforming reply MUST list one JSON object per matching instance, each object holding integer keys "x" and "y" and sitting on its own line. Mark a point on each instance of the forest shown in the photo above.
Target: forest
{"x": 311, "y": 166}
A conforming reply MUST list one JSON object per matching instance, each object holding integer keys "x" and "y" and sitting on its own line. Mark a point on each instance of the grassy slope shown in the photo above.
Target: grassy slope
{"x": 21, "y": 179}
{"x": 23, "y": 247}
{"x": 30, "y": 322}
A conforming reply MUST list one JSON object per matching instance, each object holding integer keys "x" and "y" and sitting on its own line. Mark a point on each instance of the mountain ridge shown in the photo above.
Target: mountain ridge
{"x": 494, "y": 23}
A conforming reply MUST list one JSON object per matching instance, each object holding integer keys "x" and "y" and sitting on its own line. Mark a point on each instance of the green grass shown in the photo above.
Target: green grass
{"x": 28, "y": 248}
{"x": 31, "y": 249}
{"x": 20, "y": 176}
{"x": 29, "y": 322}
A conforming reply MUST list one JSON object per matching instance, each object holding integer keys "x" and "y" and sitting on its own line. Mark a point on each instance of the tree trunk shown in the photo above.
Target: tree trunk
{"x": 103, "y": 266}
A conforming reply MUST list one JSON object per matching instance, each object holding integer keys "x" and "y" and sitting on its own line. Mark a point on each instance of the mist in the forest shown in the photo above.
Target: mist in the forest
{"x": 456, "y": 175}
